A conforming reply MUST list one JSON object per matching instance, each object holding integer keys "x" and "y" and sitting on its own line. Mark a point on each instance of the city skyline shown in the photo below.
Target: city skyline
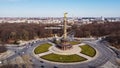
{"x": 56, "y": 8}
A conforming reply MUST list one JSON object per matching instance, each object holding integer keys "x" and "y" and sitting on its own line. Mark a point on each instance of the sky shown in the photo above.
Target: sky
{"x": 56, "y": 8}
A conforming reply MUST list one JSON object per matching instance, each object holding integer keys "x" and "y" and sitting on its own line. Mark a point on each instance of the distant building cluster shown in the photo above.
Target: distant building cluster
{"x": 55, "y": 20}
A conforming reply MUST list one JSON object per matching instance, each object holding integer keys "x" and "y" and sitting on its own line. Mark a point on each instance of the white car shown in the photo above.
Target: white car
{"x": 0, "y": 62}
{"x": 23, "y": 52}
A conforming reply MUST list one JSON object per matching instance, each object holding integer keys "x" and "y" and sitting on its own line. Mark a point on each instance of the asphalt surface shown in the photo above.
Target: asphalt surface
{"x": 105, "y": 54}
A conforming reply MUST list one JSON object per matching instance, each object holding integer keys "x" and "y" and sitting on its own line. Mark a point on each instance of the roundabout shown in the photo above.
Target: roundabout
{"x": 48, "y": 59}
{"x": 82, "y": 59}
{"x": 77, "y": 54}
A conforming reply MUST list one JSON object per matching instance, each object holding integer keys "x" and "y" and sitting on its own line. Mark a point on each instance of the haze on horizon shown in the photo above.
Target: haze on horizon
{"x": 56, "y": 8}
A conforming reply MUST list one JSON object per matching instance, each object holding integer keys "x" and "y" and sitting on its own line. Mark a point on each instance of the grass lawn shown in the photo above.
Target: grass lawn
{"x": 88, "y": 50}
{"x": 42, "y": 48}
{"x": 74, "y": 42}
{"x": 63, "y": 58}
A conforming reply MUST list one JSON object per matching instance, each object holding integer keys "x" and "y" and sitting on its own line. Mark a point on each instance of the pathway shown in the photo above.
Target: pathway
{"x": 45, "y": 53}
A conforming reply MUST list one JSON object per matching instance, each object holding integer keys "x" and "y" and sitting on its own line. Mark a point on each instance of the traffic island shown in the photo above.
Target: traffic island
{"x": 42, "y": 48}
{"x": 63, "y": 58}
{"x": 88, "y": 50}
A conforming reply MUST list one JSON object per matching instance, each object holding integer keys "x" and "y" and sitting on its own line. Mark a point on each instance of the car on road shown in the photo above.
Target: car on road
{"x": 15, "y": 51}
{"x": 41, "y": 61}
{"x": 42, "y": 66}
{"x": 29, "y": 46}
{"x": 55, "y": 67}
{"x": 23, "y": 52}
{"x": 0, "y": 62}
